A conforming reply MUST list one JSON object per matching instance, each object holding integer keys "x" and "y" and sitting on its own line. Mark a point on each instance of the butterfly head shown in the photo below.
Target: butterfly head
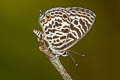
{"x": 44, "y": 19}
{"x": 47, "y": 17}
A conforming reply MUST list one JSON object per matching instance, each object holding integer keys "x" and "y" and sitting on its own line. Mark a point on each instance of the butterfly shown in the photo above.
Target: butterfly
{"x": 64, "y": 27}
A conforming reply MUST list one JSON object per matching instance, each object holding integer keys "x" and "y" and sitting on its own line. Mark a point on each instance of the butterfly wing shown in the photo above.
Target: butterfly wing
{"x": 57, "y": 28}
{"x": 67, "y": 26}
{"x": 81, "y": 21}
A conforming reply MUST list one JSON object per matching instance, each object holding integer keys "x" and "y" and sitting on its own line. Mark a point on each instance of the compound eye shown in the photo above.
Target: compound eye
{"x": 47, "y": 17}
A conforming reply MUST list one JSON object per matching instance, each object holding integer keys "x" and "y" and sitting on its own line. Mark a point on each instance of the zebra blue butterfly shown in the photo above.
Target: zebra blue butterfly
{"x": 64, "y": 27}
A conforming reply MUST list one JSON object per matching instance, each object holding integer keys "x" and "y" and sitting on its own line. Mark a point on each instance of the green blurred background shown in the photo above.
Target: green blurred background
{"x": 20, "y": 58}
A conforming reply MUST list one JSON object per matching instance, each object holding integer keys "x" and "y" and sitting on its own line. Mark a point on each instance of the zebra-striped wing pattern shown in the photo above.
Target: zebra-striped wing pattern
{"x": 81, "y": 21}
{"x": 64, "y": 27}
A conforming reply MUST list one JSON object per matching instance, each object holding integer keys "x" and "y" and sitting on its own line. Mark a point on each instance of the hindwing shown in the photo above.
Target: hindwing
{"x": 81, "y": 21}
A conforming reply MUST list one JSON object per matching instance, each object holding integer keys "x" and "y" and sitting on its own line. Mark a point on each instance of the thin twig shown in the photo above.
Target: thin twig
{"x": 55, "y": 61}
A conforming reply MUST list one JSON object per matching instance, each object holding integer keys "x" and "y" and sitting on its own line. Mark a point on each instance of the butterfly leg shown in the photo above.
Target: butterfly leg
{"x": 65, "y": 53}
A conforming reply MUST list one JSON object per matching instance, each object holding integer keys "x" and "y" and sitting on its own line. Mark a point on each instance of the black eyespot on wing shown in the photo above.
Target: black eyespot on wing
{"x": 65, "y": 30}
{"x": 56, "y": 24}
{"x": 56, "y": 12}
{"x": 52, "y": 13}
{"x": 64, "y": 16}
{"x": 76, "y": 22}
{"x": 60, "y": 13}
{"x": 73, "y": 11}
{"x": 63, "y": 37}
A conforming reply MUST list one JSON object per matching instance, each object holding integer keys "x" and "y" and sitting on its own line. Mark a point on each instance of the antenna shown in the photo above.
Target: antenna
{"x": 73, "y": 59}
{"x": 76, "y": 53}
{"x": 41, "y": 12}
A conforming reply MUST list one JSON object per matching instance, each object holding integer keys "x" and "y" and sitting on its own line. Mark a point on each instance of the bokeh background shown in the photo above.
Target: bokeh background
{"x": 20, "y": 58}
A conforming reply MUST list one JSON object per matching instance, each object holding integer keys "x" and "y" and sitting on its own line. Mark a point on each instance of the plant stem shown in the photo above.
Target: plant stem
{"x": 55, "y": 61}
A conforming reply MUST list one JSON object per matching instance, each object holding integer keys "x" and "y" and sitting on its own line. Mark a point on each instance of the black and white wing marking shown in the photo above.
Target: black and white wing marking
{"x": 57, "y": 29}
{"x": 81, "y": 21}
